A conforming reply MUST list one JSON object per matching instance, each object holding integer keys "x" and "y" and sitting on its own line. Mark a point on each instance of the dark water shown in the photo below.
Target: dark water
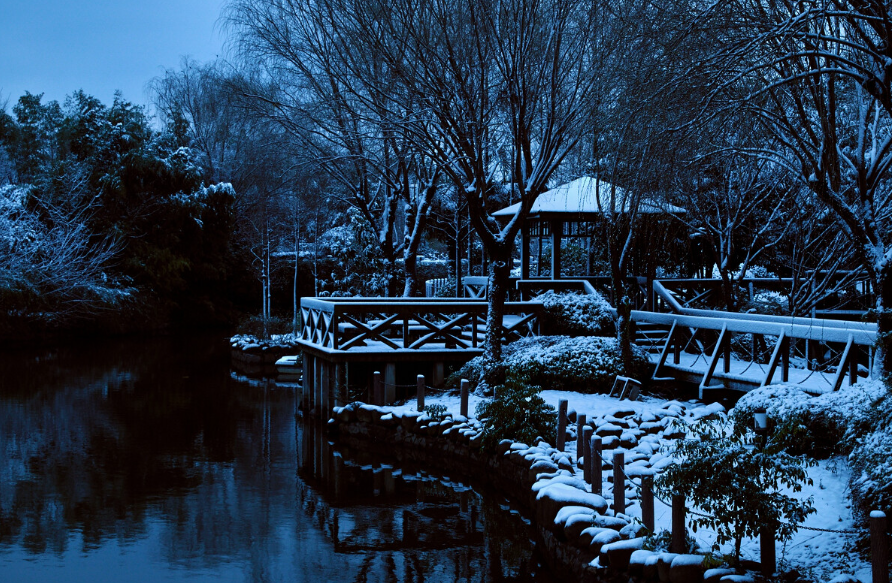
{"x": 150, "y": 461}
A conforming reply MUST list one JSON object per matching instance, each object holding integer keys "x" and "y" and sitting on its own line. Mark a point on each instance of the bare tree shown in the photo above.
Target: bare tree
{"x": 816, "y": 75}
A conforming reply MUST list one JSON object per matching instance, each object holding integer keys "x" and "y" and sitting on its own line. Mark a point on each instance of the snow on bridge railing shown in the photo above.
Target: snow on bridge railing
{"x": 696, "y": 334}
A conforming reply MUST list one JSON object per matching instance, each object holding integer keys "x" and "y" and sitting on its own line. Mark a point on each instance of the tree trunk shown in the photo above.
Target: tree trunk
{"x": 410, "y": 289}
{"x": 882, "y": 362}
{"x": 499, "y": 278}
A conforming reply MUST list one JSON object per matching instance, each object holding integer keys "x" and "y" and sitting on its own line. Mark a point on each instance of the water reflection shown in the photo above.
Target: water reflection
{"x": 147, "y": 461}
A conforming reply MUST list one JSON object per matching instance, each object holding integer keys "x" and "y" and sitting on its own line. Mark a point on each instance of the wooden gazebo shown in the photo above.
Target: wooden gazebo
{"x": 582, "y": 200}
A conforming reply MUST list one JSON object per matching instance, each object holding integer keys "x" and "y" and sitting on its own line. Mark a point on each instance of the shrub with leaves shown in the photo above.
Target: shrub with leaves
{"x": 518, "y": 413}
{"x": 870, "y": 439}
{"x": 436, "y": 411}
{"x": 737, "y": 486}
{"x": 575, "y": 314}
{"x": 587, "y": 364}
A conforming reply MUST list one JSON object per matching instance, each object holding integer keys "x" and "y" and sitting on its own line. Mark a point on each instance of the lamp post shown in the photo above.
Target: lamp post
{"x": 760, "y": 426}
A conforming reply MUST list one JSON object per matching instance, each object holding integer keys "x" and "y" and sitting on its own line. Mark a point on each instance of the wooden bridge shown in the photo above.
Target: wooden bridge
{"x": 344, "y": 340}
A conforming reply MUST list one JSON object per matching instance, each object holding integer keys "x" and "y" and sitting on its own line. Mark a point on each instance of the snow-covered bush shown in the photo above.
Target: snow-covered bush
{"x": 870, "y": 439}
{"x": 586, "y": 364}
{"x": 518, "y": 413}
{"x": 738, "y": 488}
{"x": 825, "y": 419}
{"x": 576, "y": 314}
{"x": 771, "y": 303}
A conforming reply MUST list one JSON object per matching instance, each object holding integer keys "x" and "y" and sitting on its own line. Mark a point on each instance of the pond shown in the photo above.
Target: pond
{"x": 149, "y": 460}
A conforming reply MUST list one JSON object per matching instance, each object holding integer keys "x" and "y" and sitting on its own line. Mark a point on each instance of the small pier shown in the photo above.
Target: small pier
{"x": 345, "y": 340}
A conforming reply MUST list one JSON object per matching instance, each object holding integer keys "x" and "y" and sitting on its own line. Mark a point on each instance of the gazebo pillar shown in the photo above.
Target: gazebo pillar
{"x": 525, "y": 250}
{"x": 557, "y": 229}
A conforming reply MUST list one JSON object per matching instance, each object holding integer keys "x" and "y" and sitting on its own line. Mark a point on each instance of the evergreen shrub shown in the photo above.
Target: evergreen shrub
{"x": 587, "y": 364}
{"x": 518, "y": 413}
{"x": 575, "y": 314}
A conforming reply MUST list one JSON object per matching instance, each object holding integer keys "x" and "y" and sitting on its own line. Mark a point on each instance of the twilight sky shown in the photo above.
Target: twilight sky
{"x": 57, "y": 46}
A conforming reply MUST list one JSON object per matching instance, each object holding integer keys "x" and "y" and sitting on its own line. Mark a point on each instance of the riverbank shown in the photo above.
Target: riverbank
{"x": 581, "y": 535}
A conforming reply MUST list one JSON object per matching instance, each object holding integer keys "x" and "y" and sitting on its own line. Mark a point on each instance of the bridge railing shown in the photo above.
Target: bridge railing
{"x": 408, "y": 323}
{"x": 813, "y": 346}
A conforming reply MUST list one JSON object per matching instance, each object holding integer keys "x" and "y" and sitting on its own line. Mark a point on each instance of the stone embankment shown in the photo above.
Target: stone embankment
{"x": 581, "y": 535}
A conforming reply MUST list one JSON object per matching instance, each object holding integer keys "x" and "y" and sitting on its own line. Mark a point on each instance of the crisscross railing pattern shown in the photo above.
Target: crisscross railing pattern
{"x": 409, "y": 323}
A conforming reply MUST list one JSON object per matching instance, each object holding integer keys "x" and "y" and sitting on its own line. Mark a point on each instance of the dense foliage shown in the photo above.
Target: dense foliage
{"x": 575, "y": 314}
{"x": 518, "y": 413}
{"x": 103, "y": 209}
{"x": 738, "y": 488}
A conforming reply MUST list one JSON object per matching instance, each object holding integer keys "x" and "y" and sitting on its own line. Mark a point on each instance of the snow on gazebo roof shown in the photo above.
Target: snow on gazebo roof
{"x": 580, "y": 197}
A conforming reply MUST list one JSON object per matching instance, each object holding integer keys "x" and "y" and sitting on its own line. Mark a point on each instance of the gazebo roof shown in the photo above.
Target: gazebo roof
{"x": 580, "y": 199}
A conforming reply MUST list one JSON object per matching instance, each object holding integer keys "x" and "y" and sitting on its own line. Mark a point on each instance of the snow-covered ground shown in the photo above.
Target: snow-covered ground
{"x": 816, "y": 554}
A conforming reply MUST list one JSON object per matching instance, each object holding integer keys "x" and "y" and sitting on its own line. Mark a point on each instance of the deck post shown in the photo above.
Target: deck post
{"x": 561, "y": 425}
{"x": 419, "y": 406}
{"x": 679, "y": 532}
{"x": 306, "y": 382}
{"x": 619, "y": 483}
{"x": 767, "y": 550}
{"x": 647, "y": 503}
{"x": 853, "y": 365}
{"x": 340, "y": 385}
{"x": 580, "y": 435}
{"x": 587, "y": 453}
{"x": 465, "y": 385}
{"x": 879, "y": 547}
{"x": 378, "y": 389}
{"x": 438, "y": 375}
{"x": 389, "y": 383}
{"x": 726, "y": 352}
{"x": 325, "y": 390}
{"x": 317, "y": 386}
{"x": 597, "y": 477}
{"x": 557, "y": 228}
{"x": 785, "y": 359}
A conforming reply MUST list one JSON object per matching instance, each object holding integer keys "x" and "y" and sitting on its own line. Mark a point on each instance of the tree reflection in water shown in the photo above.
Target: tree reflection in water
{"x": 147, "y": 460}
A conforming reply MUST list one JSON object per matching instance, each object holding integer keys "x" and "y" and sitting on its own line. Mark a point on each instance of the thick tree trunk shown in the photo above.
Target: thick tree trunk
{"x": 410, "y": 289}
{"x": 499, "y": 279}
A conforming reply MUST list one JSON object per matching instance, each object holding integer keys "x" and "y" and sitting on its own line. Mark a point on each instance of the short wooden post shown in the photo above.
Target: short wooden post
{"x": 587, "y": 453}
{"x": 726, "y": 353}
{"x": 647, "y": 502}
{"x": 378, "y": 392}
{"x": 597, "y": 478}
{"x": 767, "y": 550}
{"x": 580, "y": 438}
{"x": 619, "y": 483}
{"x": 879, "y": 547}
{"x": 464, "y": 397}
{"x": 562, "y": 424}
{"x": 678, "y": 527}
{"x": 420, "y": 393}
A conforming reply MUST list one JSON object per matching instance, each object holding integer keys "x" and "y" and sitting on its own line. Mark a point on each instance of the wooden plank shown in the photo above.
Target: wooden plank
{"x": 841, "y": 369}
{"x": 665, "y": 353}
{"x": 713, "y": 361}
{"x": 772, "y": 364}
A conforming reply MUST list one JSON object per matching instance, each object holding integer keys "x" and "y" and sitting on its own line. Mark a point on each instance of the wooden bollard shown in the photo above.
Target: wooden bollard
{"x": 619, "y": 483}
{"x": 647, "y": 503}
{"x": 879, "y": 547}
{"x": 597, "y": 477}
{"x": 580, "y": 439}
{"x": 464, "y": 397}
{"x": 767, "y": 550}
{"x": 677, "y": 545}
{"x": 420, "y": 393}
{"x": 587, "y": 453}
{"x": 378, "y": 392}
{"x": 562, "y": 424}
